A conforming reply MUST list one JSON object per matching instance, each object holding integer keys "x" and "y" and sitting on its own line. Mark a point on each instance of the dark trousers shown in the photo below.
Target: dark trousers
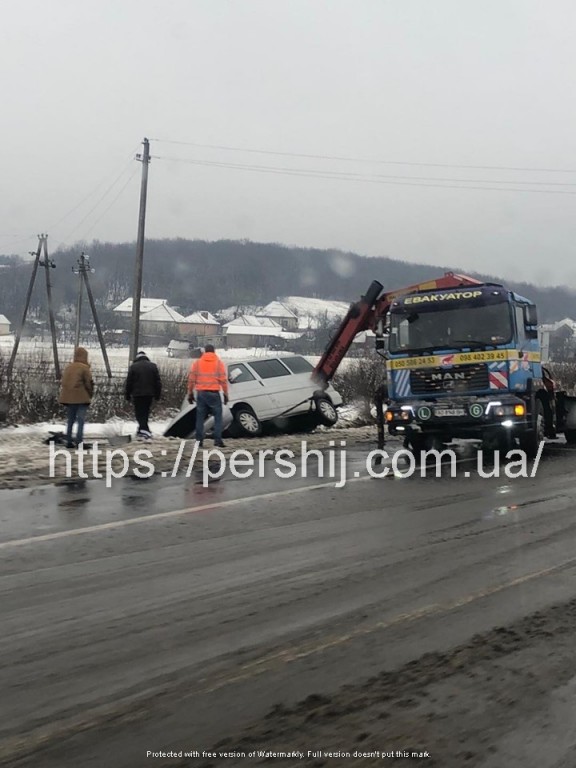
{"x": 76, "y": 415}
{"x": 208, "y": 402}
{"x": 142, "y": 405}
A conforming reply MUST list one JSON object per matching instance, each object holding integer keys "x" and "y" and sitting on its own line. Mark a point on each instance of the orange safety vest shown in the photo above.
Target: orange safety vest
{"x": 208, "y": 373}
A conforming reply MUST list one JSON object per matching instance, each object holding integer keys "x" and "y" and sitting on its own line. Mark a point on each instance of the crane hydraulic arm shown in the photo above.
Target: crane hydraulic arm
{"x": 367, "y": 313}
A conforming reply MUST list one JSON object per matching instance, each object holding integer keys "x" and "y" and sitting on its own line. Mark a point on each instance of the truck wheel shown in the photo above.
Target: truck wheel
{"x": 325, "y": 412}
{"x": 246, "y": 423}
{"x": 530, "y": 440}
{"x": 570, "y": 435}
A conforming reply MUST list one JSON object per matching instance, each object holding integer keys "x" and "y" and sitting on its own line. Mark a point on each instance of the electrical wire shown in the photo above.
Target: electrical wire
{"x": 105, "y": 211}
{"x": 94, "y": 207}
{"x": 462, "y": 184}
{"x": 129, "y": 161}
{"x": 344, "y": 159}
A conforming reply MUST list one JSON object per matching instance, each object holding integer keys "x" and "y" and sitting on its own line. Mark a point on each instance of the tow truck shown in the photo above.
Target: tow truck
{"x": 463, "y": 361}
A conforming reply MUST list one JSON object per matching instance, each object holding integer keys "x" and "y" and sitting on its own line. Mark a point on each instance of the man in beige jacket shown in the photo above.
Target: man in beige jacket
{"x": 77, "y": 388}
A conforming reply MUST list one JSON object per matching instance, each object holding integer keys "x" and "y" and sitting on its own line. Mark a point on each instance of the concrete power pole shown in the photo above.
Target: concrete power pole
{"x": 139, "y": 266}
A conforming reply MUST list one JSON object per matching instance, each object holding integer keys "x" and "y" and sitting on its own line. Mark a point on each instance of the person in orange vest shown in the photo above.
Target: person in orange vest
{"x": 207, "y": 377}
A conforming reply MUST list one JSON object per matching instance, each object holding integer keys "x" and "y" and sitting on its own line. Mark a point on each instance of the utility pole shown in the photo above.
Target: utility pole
{"x": 48, "y": 264}
{"x": 26, "y": 306}
{"x": 83, "y": 270}
{"x": 41, "y": 259}
{"x": 144, "y": 158}
{"x": 79, "y": 272}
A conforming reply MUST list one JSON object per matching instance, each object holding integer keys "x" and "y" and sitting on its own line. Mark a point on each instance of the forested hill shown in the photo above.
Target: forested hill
{"x": 194, "y": 274}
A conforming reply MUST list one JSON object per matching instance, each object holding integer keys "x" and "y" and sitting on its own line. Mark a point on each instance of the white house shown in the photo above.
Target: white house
{"x": 547, "y": 330}
{"x": 281, "y": 314}
{"x": 4, "y": 325}
{"x": 255, "y": 331}
{"x": 156, "y": 315}
{"x": 202, "y": 324}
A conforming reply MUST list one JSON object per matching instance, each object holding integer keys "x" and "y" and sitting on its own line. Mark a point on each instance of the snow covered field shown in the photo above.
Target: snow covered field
{"x": 119, "y": 356}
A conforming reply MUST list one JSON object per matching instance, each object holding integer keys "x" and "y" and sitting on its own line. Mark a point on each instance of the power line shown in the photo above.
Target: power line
{"x": 24, "y": 238}
{"x": 367, "y": 179}
{"x": 344, "y": 159}
{"x": 95, "y": 206}
{"x": 94, "y": 190}
{"x": 105, "y": 211}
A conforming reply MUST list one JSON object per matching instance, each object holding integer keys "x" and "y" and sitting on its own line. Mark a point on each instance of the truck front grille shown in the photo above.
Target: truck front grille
{"x": 457, "y": 378}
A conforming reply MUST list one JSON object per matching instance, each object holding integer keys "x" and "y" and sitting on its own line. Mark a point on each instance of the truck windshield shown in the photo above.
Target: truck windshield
{"x": 450, "y": 328}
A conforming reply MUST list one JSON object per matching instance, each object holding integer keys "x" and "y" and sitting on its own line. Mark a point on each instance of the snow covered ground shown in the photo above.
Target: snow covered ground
{"x": 119, "y": 356}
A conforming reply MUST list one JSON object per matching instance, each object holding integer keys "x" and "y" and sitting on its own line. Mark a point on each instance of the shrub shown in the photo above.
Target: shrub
{"x": 359, "y": 380}
{"x": 31, "y": 394}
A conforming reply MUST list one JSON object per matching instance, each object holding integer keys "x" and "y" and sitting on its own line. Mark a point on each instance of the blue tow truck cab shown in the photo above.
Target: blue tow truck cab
{"x": 465, "y": 363}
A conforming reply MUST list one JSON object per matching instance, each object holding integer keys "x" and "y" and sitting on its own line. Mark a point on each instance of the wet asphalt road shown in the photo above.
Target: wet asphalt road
{"x": 162, "y": 614}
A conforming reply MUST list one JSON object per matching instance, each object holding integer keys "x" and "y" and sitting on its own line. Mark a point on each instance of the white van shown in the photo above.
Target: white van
{"x": 281, "y": 390}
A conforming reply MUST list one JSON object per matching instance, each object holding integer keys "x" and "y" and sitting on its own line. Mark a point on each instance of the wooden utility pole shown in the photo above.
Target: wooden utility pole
{"x": 83, "y": 270}
{"x": 139, "y": 266}
{"x": 79, "y": 300}
{"x": 48, "y": 264}
{"x": 26, "y": 306}
{"x": 41, "y": 259}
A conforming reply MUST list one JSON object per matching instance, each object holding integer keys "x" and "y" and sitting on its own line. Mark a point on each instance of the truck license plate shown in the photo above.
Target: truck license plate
{"x": 449, "y": 412}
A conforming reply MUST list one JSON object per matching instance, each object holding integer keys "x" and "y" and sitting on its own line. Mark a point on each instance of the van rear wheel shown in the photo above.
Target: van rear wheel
{"x": 246, "y": 423}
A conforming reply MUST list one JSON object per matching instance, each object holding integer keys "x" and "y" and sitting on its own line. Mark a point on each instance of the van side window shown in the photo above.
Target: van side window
{"x": 237, "y": 373}
{"x": 298, "y": 364}
{"x": 268, "y": 369}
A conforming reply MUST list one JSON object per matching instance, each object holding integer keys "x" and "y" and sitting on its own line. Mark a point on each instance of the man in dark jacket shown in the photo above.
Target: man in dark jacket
{"x": 143, "y": 385}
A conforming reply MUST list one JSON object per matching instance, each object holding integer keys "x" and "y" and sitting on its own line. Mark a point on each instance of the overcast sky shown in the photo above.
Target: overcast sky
{"x": 401, "y": 88}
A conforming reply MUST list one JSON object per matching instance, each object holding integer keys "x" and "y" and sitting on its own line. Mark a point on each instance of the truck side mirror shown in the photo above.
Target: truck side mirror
{"x": 530, "y": 315}
{"x": 530, "y": 321}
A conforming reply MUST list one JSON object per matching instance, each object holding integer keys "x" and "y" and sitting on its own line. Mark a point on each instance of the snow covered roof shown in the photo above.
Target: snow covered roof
{"x": 146, "y": 305}
{"x": 276, "y": 309}
{"x": 253, "y": 321}
{"x": 201, "y": 317}
{"x": 311, "y": 311}
{"x": 154, "y": 310}
{"x": 4, "y": 320}
{"x": 559, "y": 324}
{"x": 307, "y": 309}
{"x": 163, "y": 314}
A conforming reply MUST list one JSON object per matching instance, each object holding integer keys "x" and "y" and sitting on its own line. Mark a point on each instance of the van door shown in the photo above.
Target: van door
{"x": 246, "y": 387}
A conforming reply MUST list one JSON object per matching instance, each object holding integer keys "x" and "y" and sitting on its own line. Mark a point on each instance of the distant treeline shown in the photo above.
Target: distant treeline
{"x": 195, "y": 274}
